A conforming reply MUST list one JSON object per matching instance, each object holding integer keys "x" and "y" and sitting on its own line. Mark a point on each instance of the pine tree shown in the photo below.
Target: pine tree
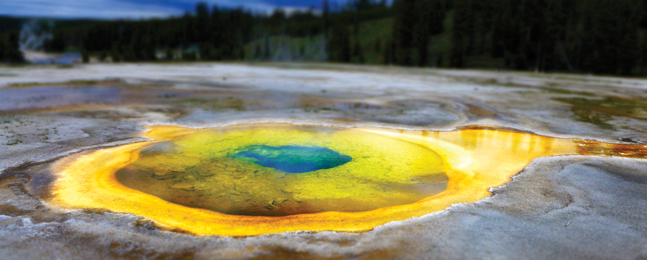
{"x": 326, "y": 10}
{"x": 500, "y": 17}
{"x": 13, "y": 53}
{"x": 85, "y": 55}
{"x": 643, "y": 41}
{"x": 421, "y": 31}
{"x": 535, "y": 20}
{"x": 267, "y": 50}
{"x": 403, "y": 24}
{"x": 169, "y": 54}
{"x": 258, "y": 52}
{"x": 388, "y": 53}
{"x": 338, "y": 47}
{"x": 202, "y": 22}
{"x": 437, "y": 10}
{"x": 555, "y": 26}
{"x": 627, "y": 48}
{"x": 461, "y": 33}
{"x": 358, "y": 53}
{"x": 3, "y": 48}
{"x": 611, "y": 37}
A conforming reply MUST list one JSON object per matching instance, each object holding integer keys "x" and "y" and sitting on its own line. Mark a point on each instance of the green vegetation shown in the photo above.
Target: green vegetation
{"x": 10, "y": 48}
{"x": 584, "y": 36}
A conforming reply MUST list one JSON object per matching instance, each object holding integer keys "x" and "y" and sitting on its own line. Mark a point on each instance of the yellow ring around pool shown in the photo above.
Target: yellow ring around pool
{"x": 475, "y": 160}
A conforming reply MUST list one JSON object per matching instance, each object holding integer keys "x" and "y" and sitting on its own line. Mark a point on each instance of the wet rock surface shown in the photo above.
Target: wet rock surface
{"x": 557, "y": 208}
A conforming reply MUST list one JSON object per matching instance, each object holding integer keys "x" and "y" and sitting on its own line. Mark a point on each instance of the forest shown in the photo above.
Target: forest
{"x": 580, "y": 36}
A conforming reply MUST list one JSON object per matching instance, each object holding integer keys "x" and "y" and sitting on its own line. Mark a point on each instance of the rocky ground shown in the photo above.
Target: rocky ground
{"x": 557, "y": 208}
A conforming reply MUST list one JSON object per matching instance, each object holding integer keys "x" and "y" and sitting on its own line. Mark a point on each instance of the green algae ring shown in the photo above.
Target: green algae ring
{"x": 285, "y": 170}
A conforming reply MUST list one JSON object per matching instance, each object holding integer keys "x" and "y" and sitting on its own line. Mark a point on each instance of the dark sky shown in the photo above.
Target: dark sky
{"x": 135, "y": 9}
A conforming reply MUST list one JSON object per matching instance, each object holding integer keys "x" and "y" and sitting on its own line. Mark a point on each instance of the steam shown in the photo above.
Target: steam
{"x": 34, "y": 33}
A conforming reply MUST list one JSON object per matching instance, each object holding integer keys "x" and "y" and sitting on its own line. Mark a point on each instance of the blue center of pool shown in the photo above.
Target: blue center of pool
{"x": 292, "y": 159}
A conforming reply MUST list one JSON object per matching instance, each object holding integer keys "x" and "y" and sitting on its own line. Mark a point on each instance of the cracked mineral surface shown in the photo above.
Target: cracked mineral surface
{"x": 559, "y": 207}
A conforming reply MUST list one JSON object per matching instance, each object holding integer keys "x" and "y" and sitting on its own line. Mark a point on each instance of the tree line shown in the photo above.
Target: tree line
{"x": 10, "y": 48}
{"x": 208, "y": 34}
{"x": 584, "y": 36}
{"x": 591, "y": 36}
